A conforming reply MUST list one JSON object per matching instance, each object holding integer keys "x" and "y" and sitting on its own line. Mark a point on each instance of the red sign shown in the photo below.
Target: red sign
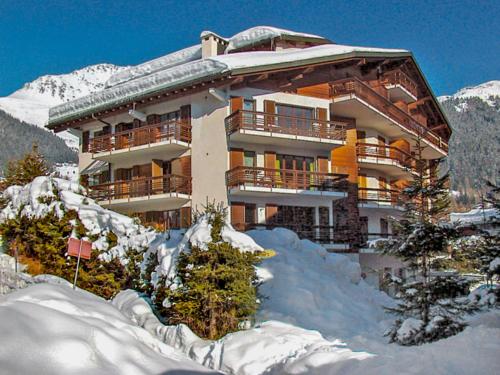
{"x": 76, "y": 246}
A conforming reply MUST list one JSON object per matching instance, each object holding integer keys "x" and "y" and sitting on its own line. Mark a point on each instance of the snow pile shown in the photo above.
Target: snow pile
{"x": 309, "y": 287}
{"x": 47, "y": 194}
{"x": 67, "y": 171}
{"x": 269, "y": 347}
{"x": 258, "y": 34}
{"x": 52, "y": 329}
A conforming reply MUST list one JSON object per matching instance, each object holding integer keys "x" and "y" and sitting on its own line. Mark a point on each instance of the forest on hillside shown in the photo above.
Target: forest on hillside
{"x": 474, "y": 146}
{"x": 17, "y": 138}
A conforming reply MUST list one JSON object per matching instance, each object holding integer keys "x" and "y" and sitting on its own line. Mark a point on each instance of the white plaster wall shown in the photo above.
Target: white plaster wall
{"x": 209, "y": 156}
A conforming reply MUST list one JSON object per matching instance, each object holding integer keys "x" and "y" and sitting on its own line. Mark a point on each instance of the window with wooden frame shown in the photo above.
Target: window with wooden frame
{"x": 295, "y": 163}
{"x": 384, "y": 227}
{"x": 290, "y": 116}
{"x": 249, "y": 117}
{"x": 249, "y": 159}
{"x": 250, "y": 213}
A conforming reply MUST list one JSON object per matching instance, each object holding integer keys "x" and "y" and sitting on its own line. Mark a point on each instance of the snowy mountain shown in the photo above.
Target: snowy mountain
{"x": 31, "y": 103}
{"x": 486, "y": 91}
{"x": 474, "y": 115}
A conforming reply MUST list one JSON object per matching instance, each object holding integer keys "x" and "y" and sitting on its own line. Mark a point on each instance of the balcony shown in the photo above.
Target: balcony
{"x": 165, "y": 140}
{"x": 144, "y": 194}
{"x": 400, "y": 86}
{"x": 324, "y": 234}
{"x": 271, "y": 182}
{"x": 353, "y": 98}
{"x": 379, "y": 198}
{"x": 269, "y": 128}
{"x": 387, "y": 159}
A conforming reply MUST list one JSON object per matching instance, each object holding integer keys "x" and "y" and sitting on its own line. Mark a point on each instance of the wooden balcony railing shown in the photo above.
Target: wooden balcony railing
{"x": 361, "y": 90}
{"x": 285, "y": 179}
{"x": 141, "y": 187}
{"x": 144, "y": 135}
{"x": 315, "y": 233}
{"x": 397, "y": 77}
{"x": 382, "y": 153}
{"x": 279, "y": 124}
{"x": 390, "y": 196}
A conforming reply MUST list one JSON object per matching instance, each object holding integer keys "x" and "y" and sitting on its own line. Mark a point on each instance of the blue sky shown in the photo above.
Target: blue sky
{"x": 457, "y": 43}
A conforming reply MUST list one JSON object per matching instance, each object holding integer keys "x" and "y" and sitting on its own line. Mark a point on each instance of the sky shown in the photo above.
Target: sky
{"x": 456, "y": 43}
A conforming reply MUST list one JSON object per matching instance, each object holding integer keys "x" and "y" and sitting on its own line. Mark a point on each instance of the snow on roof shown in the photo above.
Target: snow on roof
{"x": 164, "y": 62}
{"x": 258, "y": 34}
{"x": 256, "y": 59}
{"x": 170, "y": 77}
{"x": 184, "y": 67}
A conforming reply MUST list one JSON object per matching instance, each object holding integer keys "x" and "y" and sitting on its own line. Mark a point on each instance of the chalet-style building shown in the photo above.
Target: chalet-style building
{"x": 287, "y": 129}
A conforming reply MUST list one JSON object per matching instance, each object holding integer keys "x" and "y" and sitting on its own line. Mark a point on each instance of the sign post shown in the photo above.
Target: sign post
{"x": 80, "y": 249}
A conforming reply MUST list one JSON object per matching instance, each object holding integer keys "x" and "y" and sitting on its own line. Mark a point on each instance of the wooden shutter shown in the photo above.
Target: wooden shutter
{"x": 85, "y": 141}
{"x": 322, "y": 164}
{"x": 362, "y": 183}
{"x": 185, "y": 217}
{"x": 270, "y": 159}
{"x": 271, "y": 213}
{"x": 270, "y": 110}
{"x": 186, "y": 114}
{"x": 238, "y": 215}
{"x": 235, "y": 157}
{"x": 236, "y": 103}
{"x": 321, "y": 115}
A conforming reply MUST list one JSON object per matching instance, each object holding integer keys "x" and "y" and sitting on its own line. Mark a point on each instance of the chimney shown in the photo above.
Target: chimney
{"x": 212, "y": 44}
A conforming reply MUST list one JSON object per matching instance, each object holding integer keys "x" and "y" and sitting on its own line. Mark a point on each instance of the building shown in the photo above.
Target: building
{"x": 287, "y": 129}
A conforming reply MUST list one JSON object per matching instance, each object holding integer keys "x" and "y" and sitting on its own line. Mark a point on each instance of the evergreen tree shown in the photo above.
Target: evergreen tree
{"x": 428, "y": 308}
{"x": 23, "y": 171}
{"x": 214, "y": 291}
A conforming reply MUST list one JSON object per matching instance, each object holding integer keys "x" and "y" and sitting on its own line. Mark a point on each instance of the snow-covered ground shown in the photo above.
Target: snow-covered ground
{"x": 50, "y": 329}
{"x": 317, "y": 315}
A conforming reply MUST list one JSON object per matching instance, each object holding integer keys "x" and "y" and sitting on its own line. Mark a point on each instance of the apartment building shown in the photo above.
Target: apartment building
{"x": 286, "y": 129}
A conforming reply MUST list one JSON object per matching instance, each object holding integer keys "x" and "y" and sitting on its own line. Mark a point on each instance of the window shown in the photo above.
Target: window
{"x": 170, "y": 116}
{"x": 294, "y": 117}
{"x": 250, "y": 214}
{"x": 249, "y": 158}
{"x": 292, "y": 162}
{"x": 384, "y": 227}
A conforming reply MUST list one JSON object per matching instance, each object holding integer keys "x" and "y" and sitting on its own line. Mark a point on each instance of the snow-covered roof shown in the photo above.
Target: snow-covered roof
{"x": 259, "y": 34}
{"x": 186, "y": 67}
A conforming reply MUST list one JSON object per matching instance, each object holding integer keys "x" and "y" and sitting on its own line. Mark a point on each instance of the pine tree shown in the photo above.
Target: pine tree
{"x": 428, "y": 308}
{"x": 23, "y": 171}
{"x": 214, "y": 291}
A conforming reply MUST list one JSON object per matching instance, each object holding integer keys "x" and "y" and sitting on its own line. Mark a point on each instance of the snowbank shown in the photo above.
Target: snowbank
{"x": 47, "y": 194}
{"x": 52, "y": 329}
{"x": 309, "y": 287}
{"x": 269, "y": 347}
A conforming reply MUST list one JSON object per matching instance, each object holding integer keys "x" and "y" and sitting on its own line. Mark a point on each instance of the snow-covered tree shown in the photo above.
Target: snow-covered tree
{"x": 214, "y": 290}
{"x": 430, "y": 307}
